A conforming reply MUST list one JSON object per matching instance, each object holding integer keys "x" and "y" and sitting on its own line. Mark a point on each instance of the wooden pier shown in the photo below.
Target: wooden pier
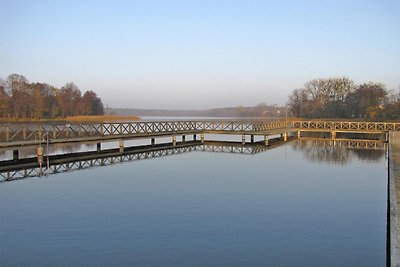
{"x": 17, "y": 136}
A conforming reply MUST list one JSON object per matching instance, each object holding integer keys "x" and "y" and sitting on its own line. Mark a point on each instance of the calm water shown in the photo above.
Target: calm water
{"x": 294, "y": 205}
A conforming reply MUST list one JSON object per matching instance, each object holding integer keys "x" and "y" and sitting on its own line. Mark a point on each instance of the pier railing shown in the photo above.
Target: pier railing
{"x": 87, "y": 131}
{"x": 33, "y": 132}
{"x": 355, "y": 126}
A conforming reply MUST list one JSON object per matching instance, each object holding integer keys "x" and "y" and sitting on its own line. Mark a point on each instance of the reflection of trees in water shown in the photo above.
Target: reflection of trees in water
{"x": 317, "y": 151}
{"x": 369, "y": 154}
{"x": 323, "y": 151}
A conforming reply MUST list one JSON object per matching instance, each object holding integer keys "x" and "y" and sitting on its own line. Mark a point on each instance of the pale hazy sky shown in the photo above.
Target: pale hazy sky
{"x": 199, "y": 54}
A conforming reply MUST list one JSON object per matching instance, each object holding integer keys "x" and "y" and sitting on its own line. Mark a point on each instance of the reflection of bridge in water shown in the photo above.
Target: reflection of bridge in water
{"x": 29, "y": 167}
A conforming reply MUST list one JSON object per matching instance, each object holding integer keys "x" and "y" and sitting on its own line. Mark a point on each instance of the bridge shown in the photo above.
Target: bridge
{"x": 13, "y": 136}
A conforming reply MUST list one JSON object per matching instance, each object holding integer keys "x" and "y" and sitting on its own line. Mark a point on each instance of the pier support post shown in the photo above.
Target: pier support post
{"x": 174, "y": 140}
{"x": 153, "y": 141}
{"x": 333, "y": 135}
{"x": 252, "y": 138}
{"x": 16, "y": 154}
{"x": 183, "y": 138}
{"x": 40, "y": 154}
{"x": 194, "y": 137}
{"x": 285, "y": 137}
{"x": 40, "y": 159}
{"x": 298, "y": 134}
{"x": 243, "y": 139}
{"x": 266, "y": 140}
{"x": 121, "y": 146}
{"x": 202, "y": 137}
{"x": 98, "y": 147}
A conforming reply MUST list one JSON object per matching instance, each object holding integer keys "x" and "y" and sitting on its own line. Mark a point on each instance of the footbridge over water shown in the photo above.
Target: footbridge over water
{"x": 27, "y": 135}
{"x": 22, "y": 135}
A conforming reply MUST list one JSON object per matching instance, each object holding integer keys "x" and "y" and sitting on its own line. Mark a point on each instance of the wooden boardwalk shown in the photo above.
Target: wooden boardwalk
{"x": 16, "y": 136}
{"x": 32, "y": 135}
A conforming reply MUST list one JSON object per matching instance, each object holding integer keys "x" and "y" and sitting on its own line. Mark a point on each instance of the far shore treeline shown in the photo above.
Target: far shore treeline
{"x": 340, "y": 97}
{"x": 336, "y": 97}
{"x": 21, "y": 99}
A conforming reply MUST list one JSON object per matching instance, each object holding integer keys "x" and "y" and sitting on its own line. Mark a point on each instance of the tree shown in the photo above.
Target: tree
{"x": 367, "y": 100}
{"x": 38, "y": 101}
{"x": 4, "y": 102}
{"x": 92, "y": 104}
{"x": 340, "y": 97}
{"x": 297, "y": 102}
{"x": 68, "y": 98}
{"x": 18, "y": 85}
{"x": 21, "y": 99}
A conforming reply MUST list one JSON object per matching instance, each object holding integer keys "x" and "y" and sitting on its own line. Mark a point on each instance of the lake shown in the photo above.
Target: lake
{"x": 300, "y": 204}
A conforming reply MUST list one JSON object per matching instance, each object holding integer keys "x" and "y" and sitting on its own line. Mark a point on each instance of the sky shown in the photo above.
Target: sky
{"x": 199, "y": 54}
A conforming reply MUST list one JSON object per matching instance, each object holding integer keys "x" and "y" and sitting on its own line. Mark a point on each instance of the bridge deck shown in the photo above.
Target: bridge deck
{"x": 14, "y": 136}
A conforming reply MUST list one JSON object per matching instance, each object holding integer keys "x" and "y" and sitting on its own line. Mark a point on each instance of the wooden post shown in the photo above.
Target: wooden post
{"x": 202, "y": 137}
{"x": 121, "y": 146}
{"x": 40, "y": 158}
{"x": 39, "y": 152}
{"x": 243, "y": 139}
{"x": 174, "y": 140}
{"x": 7, "y": 133}
{"x": 16, "y": 154}
{"x": 24, "y": 133}
{"x": 298, "y": 134}
{"x": 98, "y": 146}
{"x": 266, "y": 140}
{"x": 40, "y": 132}
{"x": 285, "y": 137}
{"x": 252, "y": 138}
{"x": 194, "y": 137}
{"x": 333, "y": 135}
{"x": 183, "y": 138}
{"x": 101, "y": 129}
{"x": 153, "y": 141}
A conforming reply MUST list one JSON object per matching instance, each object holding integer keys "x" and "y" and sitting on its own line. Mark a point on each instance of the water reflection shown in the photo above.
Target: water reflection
{"x": 77, "y": 157}
{"x": 340, "y": 151}
{"x": 53, "y": 149}
{"x": 29, "y": 167}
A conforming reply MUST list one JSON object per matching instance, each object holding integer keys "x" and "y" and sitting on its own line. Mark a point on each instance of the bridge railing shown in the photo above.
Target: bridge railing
{"x": 347, "y": 125}
{"x": 33, "y": 132}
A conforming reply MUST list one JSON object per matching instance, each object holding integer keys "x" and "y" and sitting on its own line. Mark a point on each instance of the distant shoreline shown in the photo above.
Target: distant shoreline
{"x": 75, "y": 119}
